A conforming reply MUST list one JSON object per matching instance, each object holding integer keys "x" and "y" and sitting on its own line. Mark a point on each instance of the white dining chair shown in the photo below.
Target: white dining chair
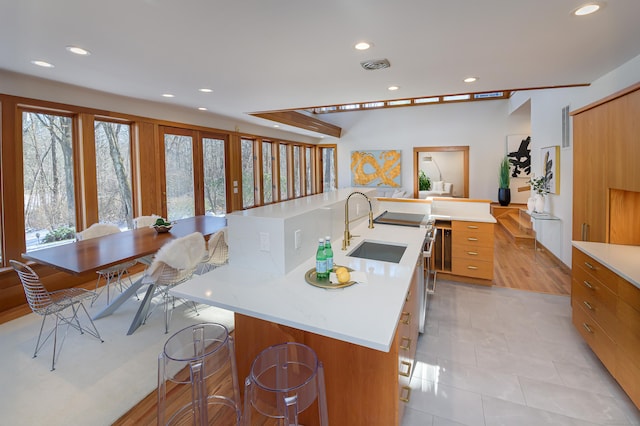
{"x": 113, "y": 274}
{"x": 142, "y": 221}
{"x": 217, "y": 252}
{"x": 174, "y": 264}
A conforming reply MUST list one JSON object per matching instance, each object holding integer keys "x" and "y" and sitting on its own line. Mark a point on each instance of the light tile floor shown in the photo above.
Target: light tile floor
{"x": 503, "y": 357}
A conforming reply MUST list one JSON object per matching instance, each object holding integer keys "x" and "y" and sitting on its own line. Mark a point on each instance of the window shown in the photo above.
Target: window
{"x": 267, "y": 173}
{"x": 113, "y": 173}
{"x": 297, "y": 172}
{"x": 178, "y": 163}
{"x": 215, "y": 189}
{"x": 284, "y": 189}
{"x": 309, "y": 166}
{"x": 248, "y": 177}
{"x": 328, "y": 168}
{"x": 49, "y": 202}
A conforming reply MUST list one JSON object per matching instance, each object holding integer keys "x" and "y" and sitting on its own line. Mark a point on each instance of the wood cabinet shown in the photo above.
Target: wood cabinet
{"x": 364, "y": 386}
{"x": 606, "y": 312}
{"x": 472, "y": 253}
{"x": 605, "y": 156}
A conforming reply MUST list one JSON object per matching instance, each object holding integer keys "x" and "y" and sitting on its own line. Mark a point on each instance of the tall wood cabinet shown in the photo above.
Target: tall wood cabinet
{"x": 606, "y": 207}
{"x": 606, "y": 156}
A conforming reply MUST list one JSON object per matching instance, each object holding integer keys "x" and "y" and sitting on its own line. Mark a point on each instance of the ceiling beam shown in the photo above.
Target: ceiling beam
{"x": 303, "y": 121}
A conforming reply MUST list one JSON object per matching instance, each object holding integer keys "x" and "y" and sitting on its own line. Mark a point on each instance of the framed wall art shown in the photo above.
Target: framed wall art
{"x": 550, "y": 157}
{"x": 376, "y": 168}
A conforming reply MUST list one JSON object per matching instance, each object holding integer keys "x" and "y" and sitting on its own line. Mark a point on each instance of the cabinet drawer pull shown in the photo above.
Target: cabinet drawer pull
{"x": 407, "y": 372}
{"x": 408, "y": 344}
{"x": 590, "y": 266}
{"x": 405, "y": 393}
{"x": 472, "y": 227}
{"x": 472, "y": 239}
{"x": 472, "y": 267}
{"x": 407, "y": 318}
{"x": 586, "y": 327}
{"x": 587, "y": 284}
{"x": 588, "y": 305}
{"x": 472, "y": 253}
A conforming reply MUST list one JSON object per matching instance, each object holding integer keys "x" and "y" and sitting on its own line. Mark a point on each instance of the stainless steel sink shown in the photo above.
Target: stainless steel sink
{"x": 385, "y": 252}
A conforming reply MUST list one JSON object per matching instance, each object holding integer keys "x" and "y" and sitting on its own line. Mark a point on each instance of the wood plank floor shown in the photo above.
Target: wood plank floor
{"x": 516, "y": 266}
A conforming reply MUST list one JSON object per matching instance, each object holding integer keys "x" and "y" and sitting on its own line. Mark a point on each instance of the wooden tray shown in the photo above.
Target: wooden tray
{"x": 311, "y": 277}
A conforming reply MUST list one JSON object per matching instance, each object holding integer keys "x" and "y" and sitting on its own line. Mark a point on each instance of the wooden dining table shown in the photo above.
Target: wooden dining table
{"x": 98, "y": 253}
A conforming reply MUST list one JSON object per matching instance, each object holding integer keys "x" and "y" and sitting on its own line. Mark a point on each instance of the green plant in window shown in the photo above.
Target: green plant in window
{"x": 424, "y": 183}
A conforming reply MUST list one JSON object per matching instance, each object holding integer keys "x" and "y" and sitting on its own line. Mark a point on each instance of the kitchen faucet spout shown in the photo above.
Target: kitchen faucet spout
{"x": 347, "y": 234}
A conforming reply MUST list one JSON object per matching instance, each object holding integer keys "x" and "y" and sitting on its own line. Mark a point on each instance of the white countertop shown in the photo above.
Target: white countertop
{"x": 298, "y": 206}
{"x": 622, "y": 259}
{"x": 363, "y": 314}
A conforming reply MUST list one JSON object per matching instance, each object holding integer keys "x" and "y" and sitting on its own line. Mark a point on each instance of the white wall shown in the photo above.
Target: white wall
{"x": 482, "y": 126}
{"x": 46, "y": 90}
{"x": 546, "y": 106}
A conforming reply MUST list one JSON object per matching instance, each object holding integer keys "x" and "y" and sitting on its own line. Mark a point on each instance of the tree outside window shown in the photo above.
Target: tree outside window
{"x": 248, "y": 177}
{"x": 113, "y": 172}
{"x": 49, "y": 202}
{"x": 178, "y": 156}
{"x": 284, "y": 189}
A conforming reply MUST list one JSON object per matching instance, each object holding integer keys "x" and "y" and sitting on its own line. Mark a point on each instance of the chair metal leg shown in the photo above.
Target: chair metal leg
{"x": 35, "y": 352}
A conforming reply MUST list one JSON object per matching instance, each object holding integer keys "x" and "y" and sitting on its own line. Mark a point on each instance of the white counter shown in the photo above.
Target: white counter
{"x": 622, "y": 259}
{"x": 363, "y": 314}
{"x": 442, "y": 208}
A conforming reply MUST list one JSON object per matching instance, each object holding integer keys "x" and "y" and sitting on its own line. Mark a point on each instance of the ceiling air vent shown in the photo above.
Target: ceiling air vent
{"x": 375, "y": 64}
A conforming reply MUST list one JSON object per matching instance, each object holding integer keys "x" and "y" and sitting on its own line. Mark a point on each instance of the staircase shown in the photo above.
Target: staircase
{"x": 517, "y": 224}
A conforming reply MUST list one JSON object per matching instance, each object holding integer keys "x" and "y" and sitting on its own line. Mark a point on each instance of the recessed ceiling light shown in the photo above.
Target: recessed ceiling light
{"x": 470, "y": 79}
{"x": 363, "y": 45}
{"x": 168, "y": 95}
{"x": 587, "y": 9}
{"x": 43, "y": 64}
{"x": 205, "y": 90}
{"x": 78, "y": 50}
{"x": 202, "y": 108}
{"x": 393, "y": 87}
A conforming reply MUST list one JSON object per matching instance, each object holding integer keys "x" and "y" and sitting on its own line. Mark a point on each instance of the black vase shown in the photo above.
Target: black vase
{"x": 504, "y": 196}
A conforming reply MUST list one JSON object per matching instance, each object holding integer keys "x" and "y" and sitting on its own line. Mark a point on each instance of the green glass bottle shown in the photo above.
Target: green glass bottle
{"x": 321, "y": 261}
{"x": 328, "y": 253}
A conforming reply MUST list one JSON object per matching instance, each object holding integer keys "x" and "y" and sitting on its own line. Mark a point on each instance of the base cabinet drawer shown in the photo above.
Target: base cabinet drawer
{"x": 596, "y": 269}
{"x": 601, "y": 344}
{"x": 599, "y": 305}
{"x": 470, "y": 238}
{"x": 472, "y": 268}
{"x": 585, "y": 283}
{"x": 484, "y": 227}
{"x": 473, "y": 253}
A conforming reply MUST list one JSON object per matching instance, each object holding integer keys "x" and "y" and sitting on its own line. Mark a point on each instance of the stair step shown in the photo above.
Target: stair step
{"x": 518, "y": 228}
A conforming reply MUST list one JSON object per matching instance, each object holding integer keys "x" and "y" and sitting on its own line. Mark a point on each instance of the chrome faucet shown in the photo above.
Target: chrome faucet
{"x": 347, "y": 235}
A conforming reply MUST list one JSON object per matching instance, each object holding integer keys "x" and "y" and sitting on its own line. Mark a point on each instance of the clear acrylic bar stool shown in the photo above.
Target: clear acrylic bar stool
{"x": 202, "y": 357}
{"x": 284, "y": 380}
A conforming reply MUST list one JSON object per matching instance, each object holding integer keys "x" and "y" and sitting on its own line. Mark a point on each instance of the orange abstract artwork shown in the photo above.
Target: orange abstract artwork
{"x": 376, "y": 168}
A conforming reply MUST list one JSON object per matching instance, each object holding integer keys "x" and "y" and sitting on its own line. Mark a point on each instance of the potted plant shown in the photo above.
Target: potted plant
{"x": 424, "y": 183}
{"x": 504, "y": 192}
{"x": 538, "y": 190}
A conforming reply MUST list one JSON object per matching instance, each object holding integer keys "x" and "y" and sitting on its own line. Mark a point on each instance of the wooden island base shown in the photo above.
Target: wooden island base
{"x": 362, "y": 384}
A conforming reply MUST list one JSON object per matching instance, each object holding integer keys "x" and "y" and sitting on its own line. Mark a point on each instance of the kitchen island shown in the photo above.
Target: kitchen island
{"x": 364, "y": 334}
